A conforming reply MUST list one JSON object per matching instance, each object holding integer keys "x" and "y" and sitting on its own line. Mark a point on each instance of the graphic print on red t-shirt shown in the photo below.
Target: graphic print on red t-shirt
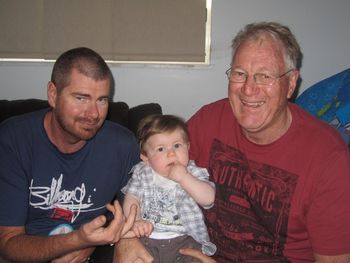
{"x": 249, "y": 220}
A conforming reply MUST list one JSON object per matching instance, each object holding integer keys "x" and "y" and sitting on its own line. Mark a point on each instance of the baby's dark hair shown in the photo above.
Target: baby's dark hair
{"x": 158, "y": 123}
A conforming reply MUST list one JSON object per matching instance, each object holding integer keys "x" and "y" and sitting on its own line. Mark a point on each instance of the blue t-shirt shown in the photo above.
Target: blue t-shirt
{"x": 50, "y": 192}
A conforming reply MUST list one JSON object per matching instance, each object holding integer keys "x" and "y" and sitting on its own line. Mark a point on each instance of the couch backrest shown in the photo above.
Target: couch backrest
{"x": 9, "y": 108}
{"x": 118, "y": 112}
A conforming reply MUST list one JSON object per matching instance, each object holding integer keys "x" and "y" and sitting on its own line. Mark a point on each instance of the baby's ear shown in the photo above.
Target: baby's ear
{"x": 144, "y": 158}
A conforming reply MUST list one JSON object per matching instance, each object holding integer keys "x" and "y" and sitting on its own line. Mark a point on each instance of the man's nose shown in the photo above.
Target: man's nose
{"x": 92, "y": 110}
{"x": 250, "y": 87}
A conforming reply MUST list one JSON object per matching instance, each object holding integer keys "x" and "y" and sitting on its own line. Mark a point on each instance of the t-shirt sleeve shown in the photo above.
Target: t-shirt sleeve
{"x": 134, "y": 186}
{"x": 13, "y": 182}
{"x": 329, "y": 215}
{"x": 199, "y": 172}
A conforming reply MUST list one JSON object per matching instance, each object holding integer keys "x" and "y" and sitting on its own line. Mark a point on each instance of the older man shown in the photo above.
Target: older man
{"x": 282, "y": 176}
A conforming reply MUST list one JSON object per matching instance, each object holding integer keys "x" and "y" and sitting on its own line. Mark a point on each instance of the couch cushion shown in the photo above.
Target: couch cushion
{"x": 9, "y": 108}
{"x": 118, "y": 112}
{"x": 137, "y": 113}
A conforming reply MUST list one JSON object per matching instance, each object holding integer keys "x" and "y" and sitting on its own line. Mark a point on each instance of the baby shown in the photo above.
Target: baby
{"x": 168, "y": 188}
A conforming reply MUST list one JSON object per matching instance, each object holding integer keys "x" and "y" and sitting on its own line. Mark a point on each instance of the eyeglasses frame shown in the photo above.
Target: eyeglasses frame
{"x": 228, "y": 74}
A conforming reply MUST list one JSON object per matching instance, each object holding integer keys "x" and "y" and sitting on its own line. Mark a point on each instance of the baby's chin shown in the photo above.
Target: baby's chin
{"x": 171, "y": 164}
{"x": 175, "y": 163}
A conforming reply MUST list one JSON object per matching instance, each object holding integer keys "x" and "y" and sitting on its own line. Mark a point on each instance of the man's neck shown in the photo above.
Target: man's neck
{"x": 63, "y": 141}
{"x": 273, "y": 133}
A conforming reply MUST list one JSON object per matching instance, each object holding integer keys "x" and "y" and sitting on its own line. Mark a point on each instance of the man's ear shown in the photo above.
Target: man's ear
{"x": 293, "y": 81}
{"x": 144, "y": 158}
{"x": 51, "y": 94}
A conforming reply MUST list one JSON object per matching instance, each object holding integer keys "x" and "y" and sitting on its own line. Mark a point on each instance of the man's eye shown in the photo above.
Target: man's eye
{"x": 80, "y": 99}
{"x": 238, "y": 74}
{"x": 103, "y": 101}
{"x": 264, "y": 76}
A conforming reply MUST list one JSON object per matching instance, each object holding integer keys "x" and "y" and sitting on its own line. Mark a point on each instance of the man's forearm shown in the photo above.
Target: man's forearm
{"x": 26, "y": 248}
{"x": 131, "y": 250}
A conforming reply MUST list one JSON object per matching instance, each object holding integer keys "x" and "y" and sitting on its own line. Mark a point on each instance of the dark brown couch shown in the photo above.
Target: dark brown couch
{"x": 118, "y": 112}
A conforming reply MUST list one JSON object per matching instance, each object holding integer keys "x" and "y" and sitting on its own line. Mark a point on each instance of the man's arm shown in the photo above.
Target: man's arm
{"x": 16, "y": 245}
{"x": 332, "y": 259}
{"x": 131, "y": 250}
{"x": 197, "y": 254}
{"x": 81, "y": 255}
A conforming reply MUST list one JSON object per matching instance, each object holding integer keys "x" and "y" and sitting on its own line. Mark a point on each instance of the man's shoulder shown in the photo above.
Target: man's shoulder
{"x": 113, "y": 133}
{"x": 216, "y": 105}
{"x": 22, "y": 122}
{"x": 213, "y": 112}
{"x": 320, "y": 131}
{"x": 110, "y": 127}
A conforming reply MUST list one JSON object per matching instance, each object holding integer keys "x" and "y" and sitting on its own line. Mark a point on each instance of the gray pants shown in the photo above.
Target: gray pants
{"x": 167, "y": 250}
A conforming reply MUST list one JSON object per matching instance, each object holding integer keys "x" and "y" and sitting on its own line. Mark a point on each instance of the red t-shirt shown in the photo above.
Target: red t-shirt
{"x": 278, "y": 202}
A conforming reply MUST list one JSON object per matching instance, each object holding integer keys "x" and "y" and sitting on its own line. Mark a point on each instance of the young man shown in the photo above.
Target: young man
{"x": 60, "y": 168}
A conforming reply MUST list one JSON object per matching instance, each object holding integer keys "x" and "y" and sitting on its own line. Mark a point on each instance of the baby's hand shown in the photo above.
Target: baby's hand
{"x": 142, "y": 228}
{"x": 177, "y": 172}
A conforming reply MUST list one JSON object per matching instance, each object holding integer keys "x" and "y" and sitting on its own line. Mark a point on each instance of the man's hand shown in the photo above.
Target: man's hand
{"x": 94, "y": 233}
{"x": 78, "y": 256}
{"x": 345, "y": 258}
{"x": 60, "y": 247}
{"x": 197, "y": 254}
{"x": 131, "y": 250}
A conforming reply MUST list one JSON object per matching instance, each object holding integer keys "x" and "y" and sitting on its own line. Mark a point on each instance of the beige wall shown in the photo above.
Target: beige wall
{"x": 322, "y": 27}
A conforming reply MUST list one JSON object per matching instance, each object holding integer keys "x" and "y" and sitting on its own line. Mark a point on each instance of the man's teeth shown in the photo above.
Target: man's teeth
{"x": 253, "y": 104}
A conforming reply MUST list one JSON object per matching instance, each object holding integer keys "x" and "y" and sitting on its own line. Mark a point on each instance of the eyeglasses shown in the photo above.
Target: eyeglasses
{"x": 236, "y": 76}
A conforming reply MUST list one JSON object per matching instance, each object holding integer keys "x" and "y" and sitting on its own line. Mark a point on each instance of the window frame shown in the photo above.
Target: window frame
{"x": 39, "y": 6}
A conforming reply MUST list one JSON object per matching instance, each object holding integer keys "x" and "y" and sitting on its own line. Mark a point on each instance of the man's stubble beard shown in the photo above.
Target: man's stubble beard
{"x": 75, "y": 130}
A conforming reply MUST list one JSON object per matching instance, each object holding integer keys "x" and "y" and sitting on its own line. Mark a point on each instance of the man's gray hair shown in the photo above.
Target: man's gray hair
{"x": 281, "y": 33}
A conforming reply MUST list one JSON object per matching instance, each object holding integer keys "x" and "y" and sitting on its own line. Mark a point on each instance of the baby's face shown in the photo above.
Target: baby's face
{"x": 166, "y": 149}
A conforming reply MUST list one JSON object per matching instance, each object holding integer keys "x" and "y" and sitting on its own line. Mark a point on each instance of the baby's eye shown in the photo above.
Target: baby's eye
{"x": 177, "y": 145}
{"x": 160, "y": 149}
